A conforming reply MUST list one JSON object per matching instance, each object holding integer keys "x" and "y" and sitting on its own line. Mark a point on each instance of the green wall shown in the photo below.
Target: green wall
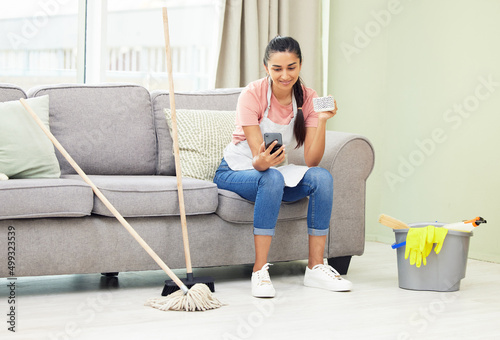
{"x": 421, "y": 79}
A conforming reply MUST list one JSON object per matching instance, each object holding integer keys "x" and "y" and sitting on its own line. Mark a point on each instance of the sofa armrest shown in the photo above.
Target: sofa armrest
{"x": 350, "y": 160}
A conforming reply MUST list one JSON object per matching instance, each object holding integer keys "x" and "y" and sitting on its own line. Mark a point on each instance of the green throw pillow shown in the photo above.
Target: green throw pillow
{"x": 25, "y": 150}
{"x": 203, "y": 135}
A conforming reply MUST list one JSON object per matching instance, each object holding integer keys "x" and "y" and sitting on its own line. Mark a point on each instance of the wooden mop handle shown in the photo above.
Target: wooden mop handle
{"x": 175, "y": 138}
{"x": 104, "y": 200}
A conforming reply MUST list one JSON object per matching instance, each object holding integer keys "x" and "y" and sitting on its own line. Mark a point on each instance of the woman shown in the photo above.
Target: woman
{"x": 280, "y": 103}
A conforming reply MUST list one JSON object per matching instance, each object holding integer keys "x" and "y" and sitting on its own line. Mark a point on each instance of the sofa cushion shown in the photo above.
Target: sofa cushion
{"x": 138, "y": 196}
{"x": 107, "y": 129}
{"x": 234, "y": 208}
{"x": 202, "y": 136}
{"x": 25, "y": 150}
{"x": 218, "y": 99}
{"x": 36, "y": 198}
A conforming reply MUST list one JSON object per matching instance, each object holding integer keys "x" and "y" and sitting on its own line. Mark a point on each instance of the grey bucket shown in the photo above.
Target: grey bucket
{"x": 443, "y": 271}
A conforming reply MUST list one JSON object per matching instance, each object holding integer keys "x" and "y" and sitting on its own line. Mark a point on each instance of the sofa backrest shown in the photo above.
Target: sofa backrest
{"x": 218, "y": 99}
{"x": 117, "y": 129}
{"x": 10, "y": 92}
{"x": 108, "y": 129}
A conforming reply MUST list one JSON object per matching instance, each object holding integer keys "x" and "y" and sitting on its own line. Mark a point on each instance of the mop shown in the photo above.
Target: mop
{"x": 198, "y": 298}
{"x": 190, "y": 281}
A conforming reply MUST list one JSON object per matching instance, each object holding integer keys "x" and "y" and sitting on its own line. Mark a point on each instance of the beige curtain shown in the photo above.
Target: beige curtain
{"x": 247, "y": 26}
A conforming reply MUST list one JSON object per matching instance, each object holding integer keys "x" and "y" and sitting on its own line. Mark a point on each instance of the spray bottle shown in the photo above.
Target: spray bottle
{"x": 466, "y": 226}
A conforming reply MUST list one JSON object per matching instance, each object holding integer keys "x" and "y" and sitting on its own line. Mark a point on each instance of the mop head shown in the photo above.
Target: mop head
{"x": 198, "y": 298}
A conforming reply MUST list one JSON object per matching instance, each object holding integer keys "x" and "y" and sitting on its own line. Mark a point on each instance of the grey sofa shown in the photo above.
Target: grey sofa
{"x": 118, "y": 134}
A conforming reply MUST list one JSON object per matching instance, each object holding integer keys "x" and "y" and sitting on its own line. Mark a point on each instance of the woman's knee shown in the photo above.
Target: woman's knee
{"x": 320, "y": 177}
{"x": 272, "y": 178}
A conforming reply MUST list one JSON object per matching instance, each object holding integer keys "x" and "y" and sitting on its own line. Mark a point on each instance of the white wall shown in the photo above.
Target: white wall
{"x": 421, "y": 79}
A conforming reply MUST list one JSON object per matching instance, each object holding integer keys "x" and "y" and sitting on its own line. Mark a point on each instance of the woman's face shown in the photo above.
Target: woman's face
{"x": 284, "y": 69}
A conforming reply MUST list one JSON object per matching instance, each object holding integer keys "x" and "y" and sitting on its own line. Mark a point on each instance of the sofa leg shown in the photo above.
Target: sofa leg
{"x": 111, "y": 274}
{"x": 341, "y": 263}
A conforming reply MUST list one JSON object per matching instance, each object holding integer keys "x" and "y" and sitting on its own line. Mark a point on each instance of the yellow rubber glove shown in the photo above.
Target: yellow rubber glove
{"x": 415, "y": 244}
{"x": 439, "y": 236}
{"x": 429, "y": 242}
{"x": 434, "y": 235}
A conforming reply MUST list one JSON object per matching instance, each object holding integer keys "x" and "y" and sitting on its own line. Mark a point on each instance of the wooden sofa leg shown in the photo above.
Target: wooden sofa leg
{"x": 111, "y": 274}
{"x": 341, "y": 263}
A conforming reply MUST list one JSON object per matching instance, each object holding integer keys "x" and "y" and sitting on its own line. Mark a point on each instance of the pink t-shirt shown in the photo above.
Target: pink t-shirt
{"x": 252, "y": 104}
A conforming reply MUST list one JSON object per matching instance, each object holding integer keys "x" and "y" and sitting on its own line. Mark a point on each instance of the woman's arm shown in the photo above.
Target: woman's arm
{"x": 262, "y": 157}
{"x": 314, "y": 144}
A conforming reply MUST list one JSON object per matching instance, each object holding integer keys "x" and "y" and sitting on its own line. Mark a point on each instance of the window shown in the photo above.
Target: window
{"x": 38, "y": 44}
{"x": 135, "y": 45}
{"x": 94, "y": 41}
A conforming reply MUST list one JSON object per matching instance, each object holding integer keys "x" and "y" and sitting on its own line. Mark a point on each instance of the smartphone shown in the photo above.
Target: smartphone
{"x": 271, "y": 137}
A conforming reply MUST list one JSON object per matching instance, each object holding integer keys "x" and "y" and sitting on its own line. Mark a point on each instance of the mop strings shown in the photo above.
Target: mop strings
{"x": 198, "y": 298}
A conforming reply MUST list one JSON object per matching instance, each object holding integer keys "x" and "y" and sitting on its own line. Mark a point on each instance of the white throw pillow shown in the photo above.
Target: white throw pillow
{"x": 203, "y": 135}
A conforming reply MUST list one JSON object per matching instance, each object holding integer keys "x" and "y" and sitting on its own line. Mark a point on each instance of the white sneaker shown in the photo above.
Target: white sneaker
{"x": 261, "y": 283}
{"x": 325, "y": 277}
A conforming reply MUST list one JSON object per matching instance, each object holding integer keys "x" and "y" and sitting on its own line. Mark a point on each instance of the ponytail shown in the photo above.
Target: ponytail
{"x": 299, "y": 128}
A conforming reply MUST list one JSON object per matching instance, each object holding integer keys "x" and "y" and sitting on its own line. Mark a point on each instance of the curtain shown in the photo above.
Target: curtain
{"x": 247, "y": 26}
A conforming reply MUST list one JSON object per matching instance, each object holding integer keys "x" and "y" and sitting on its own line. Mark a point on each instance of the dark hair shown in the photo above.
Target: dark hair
{"x": 288, "y": 44}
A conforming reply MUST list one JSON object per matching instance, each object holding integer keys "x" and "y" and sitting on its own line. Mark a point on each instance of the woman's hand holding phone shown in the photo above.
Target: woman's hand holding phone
{"x": 276, "y": 156}
{"x": 266, "y": 158}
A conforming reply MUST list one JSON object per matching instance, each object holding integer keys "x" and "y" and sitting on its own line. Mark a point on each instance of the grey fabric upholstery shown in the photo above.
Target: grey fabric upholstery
{"x": 10, "y": 92}
{"x": 95, "y": 244}
{"x": 221, "y": 99}
{"x": 107, "y": 129}
{"x": 37, "y": 198}
{"x": 140, "y": 196}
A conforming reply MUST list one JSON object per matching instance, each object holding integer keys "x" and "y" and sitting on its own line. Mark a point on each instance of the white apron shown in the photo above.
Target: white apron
{"x": 239, "y": 156}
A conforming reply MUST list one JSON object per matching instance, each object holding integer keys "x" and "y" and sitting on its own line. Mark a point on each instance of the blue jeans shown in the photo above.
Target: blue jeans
{"x": 267, "y": 189}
